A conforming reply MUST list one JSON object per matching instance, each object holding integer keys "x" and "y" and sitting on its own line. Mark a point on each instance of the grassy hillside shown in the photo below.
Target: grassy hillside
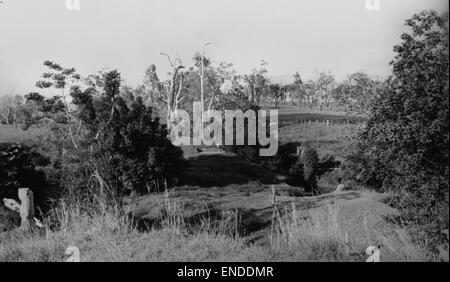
{"x": 13, "y": 133}
{"x": 222, "y": 211}
{"x": 322, "y": 233}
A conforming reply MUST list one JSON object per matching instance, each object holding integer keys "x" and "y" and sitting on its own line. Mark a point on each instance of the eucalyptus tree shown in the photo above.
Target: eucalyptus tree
{"x": 62, "y": 79}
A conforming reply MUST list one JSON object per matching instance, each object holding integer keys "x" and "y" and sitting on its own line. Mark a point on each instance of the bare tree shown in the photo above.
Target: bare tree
{"x": 172, "y": 94}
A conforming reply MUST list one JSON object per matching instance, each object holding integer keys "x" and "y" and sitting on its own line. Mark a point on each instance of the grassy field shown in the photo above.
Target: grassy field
{"x": 286, "y": 109}
{"x": 334, "y": 140}
{"x": 13, "y": 133}
{"x": 224, "y": 211}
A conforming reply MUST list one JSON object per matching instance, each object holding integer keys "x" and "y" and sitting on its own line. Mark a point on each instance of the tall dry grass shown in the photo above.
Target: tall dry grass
{"x": 109, "y": 234}
{"x": 316, "y": 235}
{"x": 313, "y": 235}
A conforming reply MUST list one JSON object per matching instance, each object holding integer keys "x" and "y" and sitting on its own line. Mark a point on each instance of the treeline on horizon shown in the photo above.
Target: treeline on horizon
{"x": 222, "y": 87}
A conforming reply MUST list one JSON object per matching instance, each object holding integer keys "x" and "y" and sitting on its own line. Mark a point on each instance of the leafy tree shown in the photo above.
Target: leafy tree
{"x": 356, "y": 93}
{"x": 297, "y": 87}
{"x": 218, "y": 79}
{"x": 325, "y": 85}
{"x": 407, "y": 135}
{"x": 11, "y": 108}
{"x": 34, "y": 97}
{"x": 221, "y": 86}
{"x": 61, "y": 78}
{"x": 278, "y": 92}
{"x": 39, "y": 110}
{"x": 152, "y": 86}
{"x": 257, "y": 83}
{"x": 309, "y": 93}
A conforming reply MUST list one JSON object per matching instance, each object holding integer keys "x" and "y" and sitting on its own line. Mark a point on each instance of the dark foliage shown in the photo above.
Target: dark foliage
{"x": 286, "y": 158}
{"x": 127, "y": 139}
{"x": 407, "y": 135}
{"x": 21, "y": 166}
{"x": 310, "y": 160}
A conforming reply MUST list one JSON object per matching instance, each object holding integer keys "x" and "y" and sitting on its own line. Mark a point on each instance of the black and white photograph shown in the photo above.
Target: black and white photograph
{"x": 251, "y": 134}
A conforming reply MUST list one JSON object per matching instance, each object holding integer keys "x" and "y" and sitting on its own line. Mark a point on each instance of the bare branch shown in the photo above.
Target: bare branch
{"x": 168, "y": 57}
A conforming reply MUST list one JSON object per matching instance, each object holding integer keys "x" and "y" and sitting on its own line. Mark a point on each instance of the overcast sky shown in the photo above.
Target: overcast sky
{"x": 291, "y": 35}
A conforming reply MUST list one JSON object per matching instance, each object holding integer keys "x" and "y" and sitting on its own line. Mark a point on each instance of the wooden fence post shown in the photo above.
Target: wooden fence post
{"x": 272, "y": 227}
{"x": 25, "y": 208}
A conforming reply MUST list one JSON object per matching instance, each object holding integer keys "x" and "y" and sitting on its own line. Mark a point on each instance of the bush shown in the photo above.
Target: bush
{"x": 407, "y": 134}
{"x": 126, "y": 145}
{"x": 286, "y": 159}
{"x": 358, "y": 167}
{"x": 107, "y": 146}
{"x": 310, "y": 161}
{"x": 296, "y": 173}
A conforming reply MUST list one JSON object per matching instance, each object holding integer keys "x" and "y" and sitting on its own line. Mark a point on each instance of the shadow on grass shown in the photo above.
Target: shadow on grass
{"x": 215, "y": 170}
{"x": 244, "y": 221}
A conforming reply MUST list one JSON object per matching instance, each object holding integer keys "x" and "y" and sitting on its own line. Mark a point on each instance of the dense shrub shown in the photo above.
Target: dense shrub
{"x": 361, "y": 169}
{"x": 303, "y": 170}
{"x": 126, "y": 138}
{"x": 407, "y": 135}
{"x": 286, "y": 158}
{"x": 296, "y": 174}
{"x": 110, "y": 144}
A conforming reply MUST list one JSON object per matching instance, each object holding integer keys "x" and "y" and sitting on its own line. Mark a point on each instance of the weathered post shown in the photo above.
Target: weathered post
{"x": 25, "y": 208}
{"x": 274, "y": 202}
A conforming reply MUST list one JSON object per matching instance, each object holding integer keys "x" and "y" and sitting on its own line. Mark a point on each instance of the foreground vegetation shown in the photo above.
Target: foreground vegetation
{"x": 110, "y": 235}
